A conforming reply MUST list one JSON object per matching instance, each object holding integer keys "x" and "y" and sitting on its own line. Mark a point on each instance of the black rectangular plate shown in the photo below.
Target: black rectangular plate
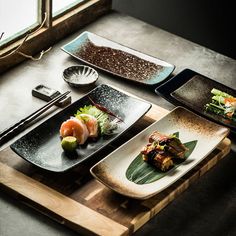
{"x": 42, "y": 145}
{"x": 193, "y": 90}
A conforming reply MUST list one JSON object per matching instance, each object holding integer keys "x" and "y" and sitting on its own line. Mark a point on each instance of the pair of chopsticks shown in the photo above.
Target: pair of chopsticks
{"x": 19, "y": 126}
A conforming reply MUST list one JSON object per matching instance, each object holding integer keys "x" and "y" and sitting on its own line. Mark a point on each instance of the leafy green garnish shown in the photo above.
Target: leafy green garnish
{"x": 104, "y": 123}
{"x": 217, "y": 92}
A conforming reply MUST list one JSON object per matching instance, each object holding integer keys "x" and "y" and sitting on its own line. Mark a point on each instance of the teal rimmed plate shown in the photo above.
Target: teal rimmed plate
{"x": 117, "y": 59}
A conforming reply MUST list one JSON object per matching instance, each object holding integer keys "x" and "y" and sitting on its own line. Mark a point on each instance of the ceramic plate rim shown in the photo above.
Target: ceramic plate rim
{"x": 136, "y": 196}
{"x": 149, "y": 105}
{"x": 165, "y": 90}
{"x": 169, "y": 66}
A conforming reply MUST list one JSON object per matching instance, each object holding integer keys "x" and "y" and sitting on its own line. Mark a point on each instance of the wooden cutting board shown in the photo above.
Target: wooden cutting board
{"x": 78, "y": 201}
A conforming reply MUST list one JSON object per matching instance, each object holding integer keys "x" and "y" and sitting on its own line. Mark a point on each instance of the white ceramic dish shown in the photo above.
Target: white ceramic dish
{"x": 111, "y": 171}
{"x": 79, "y": 76}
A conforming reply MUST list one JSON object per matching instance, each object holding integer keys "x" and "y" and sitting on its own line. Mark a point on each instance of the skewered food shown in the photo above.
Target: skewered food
{"x": 171, "y": 143}
{"x": 162, "y": 150}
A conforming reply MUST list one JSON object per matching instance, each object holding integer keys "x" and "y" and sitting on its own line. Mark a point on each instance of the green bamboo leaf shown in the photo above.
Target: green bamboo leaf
{"x": 140, "y": 172}
{"x": 176, "y": 134}
{"x": 190, "y": 145}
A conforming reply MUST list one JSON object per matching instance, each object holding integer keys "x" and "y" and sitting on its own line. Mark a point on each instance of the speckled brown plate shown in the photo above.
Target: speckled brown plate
{"x": 193, "y": 91}
{"x": 111, "y": 171}
{"x": 117, "y": 59}
{"x": 42, "y": 145}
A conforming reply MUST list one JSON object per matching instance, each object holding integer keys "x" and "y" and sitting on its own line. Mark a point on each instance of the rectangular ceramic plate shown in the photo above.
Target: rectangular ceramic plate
{"x": 117, "y": 59}
{"x": 193, "y": 91}
{"x": 112, "y": 170}
{"x": 42, "y": 147}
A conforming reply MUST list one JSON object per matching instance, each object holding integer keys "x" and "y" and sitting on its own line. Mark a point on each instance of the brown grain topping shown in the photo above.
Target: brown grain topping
{"x": 118, "y": 62}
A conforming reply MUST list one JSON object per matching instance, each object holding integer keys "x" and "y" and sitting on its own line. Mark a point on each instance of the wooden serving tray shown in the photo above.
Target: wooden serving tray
{"x": 78, "y": 201}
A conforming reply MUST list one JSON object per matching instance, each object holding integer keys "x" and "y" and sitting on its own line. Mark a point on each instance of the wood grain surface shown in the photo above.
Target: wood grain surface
{"x": 78, "y": 201}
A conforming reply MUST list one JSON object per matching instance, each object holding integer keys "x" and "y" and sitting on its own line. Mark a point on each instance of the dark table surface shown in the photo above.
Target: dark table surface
{"x": 208, "y": 207}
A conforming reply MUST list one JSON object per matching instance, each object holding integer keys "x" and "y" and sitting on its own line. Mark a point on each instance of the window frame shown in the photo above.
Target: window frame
{"x": 54, "y": 29}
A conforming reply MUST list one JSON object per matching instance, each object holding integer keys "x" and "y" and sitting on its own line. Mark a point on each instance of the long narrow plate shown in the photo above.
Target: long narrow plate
{"x": 198, "y": 133}
{"x": 117, "y": 59}
{"x": 41, "y": 146}
{"x": 193, "y": 91}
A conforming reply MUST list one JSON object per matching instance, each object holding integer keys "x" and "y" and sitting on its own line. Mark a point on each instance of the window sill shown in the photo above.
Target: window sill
{"x": 63, "y": 26}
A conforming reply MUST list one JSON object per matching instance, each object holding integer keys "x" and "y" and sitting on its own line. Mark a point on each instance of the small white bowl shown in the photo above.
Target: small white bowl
{"x": 80, "y": 75}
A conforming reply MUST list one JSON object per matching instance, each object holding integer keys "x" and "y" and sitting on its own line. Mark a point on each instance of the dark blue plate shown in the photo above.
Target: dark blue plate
{"x": 117, "y": 59}
{"x": 42, "y": 147}
{"x": 193, "y": 91}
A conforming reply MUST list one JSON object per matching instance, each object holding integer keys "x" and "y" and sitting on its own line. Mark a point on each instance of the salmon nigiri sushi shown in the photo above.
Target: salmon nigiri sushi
{"x": 74, "y": 127}
{"x": 91, "y": 123}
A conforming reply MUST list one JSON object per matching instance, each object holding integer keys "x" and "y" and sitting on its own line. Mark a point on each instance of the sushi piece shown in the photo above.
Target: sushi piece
{"x": 76, "y": 128}
{"x": 155, "y": 155}
{"x": 91, "y": 123}
{"x": 172, "y": 144}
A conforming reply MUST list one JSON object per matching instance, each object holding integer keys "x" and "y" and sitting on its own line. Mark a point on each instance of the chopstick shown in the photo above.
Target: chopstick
{"x": 19, "y": 126}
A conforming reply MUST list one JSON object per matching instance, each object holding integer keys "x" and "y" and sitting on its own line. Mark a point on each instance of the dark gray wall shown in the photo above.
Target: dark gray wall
{"x": 208, "y": 23}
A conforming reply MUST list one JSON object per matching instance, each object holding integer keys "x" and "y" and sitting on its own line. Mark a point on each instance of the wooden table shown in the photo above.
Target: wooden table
{"x": 84, "y": 210}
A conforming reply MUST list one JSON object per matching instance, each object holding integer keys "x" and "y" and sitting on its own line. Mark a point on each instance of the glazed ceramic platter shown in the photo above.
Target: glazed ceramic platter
{"x": 112, "y": 171}
{"x": 117, "y": 59}
{"x": 42, "y": 145}
{"x": 193, "y": 91}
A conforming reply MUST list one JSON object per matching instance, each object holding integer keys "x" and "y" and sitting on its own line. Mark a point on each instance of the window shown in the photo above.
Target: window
{"x": 14, "y": 22}
{"x": 38, "y": 24}
{"x": 60, "y": 6}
